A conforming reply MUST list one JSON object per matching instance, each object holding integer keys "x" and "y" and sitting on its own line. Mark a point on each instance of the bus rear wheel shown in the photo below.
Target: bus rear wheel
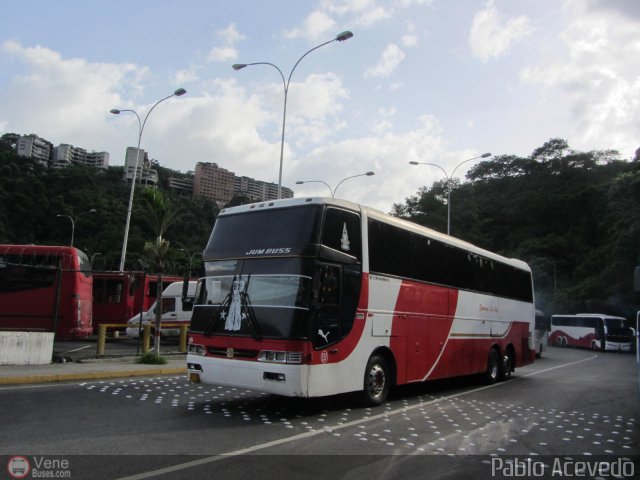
{"x": 507, "y": 366}
{"x": 377, "y": 380}
{"x": 493, "y": 367}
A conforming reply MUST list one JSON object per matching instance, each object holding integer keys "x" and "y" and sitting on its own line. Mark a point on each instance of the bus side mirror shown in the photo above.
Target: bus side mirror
{"x": 187, "y": 300}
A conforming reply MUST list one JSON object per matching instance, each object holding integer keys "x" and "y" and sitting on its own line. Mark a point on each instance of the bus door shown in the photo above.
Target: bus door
{"x": 335, "y": 299}
{"x": 601, "y": 332}
{"x": 326, "y": 304}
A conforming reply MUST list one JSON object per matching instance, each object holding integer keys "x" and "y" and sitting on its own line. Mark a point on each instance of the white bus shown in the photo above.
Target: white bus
{"x": 596, "y": 331}
{"x": 315, "y": 296}
{"x": 541, "y": 335}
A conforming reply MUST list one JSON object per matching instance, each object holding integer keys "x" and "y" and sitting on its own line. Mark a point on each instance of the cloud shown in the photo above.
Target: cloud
{"x": 318, "y": 26}
{"x": 182, "y": 77}
{"x": 383, "y": 152}
{"x": 492, "y": 37}
{"x": 222, "y": 54}
{"x": 372, "y": 16}
{"x": 410, "y": 39}
{"x": 226, "y": 52}
{"x": 72, "y": 97}
{"x": 230, "y": 34}
{"x": 596, "y": 77}
{"x": 389, "y": 61}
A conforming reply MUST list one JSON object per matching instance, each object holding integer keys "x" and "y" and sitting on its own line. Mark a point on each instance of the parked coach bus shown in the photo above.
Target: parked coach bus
{"x": 118, "y": 296}
{"x": 591, "y": 330}
{"x": 45, "y": 288}
{"x": 314, "y": 296}
{"x": 541, "y": 332}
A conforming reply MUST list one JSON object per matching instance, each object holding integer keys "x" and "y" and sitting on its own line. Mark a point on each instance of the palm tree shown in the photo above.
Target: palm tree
{"x": 160, "y": 214}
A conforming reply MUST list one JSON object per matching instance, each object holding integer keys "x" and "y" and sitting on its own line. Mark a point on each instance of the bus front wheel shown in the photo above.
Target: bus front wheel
{"x": 376, "y": 381}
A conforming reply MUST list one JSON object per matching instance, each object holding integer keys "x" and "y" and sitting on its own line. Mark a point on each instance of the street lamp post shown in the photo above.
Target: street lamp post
{"x": 449, "y": 178}
{"x": 93, "y": 258}
{"x": 300, "y": 182}
{"x": 73, "y": 223}
{"x": 191, "y": 257}
{"x": 239, "y": 66}
{"x": 333, "y": 190}
{"x": 141, "y": 124}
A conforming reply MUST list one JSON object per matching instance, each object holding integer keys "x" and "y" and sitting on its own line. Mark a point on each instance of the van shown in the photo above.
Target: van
{"x": 174, "y": 310}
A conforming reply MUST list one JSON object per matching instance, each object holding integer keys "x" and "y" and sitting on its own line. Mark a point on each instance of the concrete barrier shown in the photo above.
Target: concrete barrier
{"x": 26, "y": 348}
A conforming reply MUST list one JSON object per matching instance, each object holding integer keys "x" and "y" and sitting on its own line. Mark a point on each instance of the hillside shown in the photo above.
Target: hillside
{"x": 573, "y": 216}
{"x": 32, "y": 195}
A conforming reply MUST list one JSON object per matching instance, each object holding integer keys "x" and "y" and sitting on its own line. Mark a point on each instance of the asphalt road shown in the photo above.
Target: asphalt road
{"x": 570, "y": 406}
{"x": 73, "y": 350}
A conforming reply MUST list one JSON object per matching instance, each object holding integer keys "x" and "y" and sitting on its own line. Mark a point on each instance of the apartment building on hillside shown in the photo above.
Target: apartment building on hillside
{"x": 144, "y": 173}
{"x": 65, "y": 155}
{"x": 221, "y": 185}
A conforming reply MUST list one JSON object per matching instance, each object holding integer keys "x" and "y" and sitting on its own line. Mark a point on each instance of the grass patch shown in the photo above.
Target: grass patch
{"x": 151, "y": 358}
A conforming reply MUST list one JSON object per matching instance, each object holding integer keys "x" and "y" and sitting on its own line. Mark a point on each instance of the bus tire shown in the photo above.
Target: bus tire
{"x": 377, "y": 380}
{"x": 493, "y": 367}
{"x": 506, "y": 368}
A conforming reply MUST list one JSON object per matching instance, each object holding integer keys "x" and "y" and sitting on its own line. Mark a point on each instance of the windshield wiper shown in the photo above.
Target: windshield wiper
{"x": 236, "y": 307}
{"x": 251, "y": 316}
{"x": 225, "y": 304}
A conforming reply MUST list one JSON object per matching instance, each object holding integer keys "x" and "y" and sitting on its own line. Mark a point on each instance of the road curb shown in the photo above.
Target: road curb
{"x": 66, "y": 377}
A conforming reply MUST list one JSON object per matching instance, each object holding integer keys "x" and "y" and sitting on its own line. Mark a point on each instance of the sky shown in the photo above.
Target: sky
{"x": 431, "y": 81}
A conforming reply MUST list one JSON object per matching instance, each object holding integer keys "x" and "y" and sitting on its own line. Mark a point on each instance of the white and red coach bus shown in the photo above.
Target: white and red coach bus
{"x": 315, "y": 296}
{"x": 596, "y": 331}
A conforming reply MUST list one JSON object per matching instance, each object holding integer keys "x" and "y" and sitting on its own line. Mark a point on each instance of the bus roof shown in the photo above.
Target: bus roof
{"x": 378, "y": 215}
{"x": 593, "y": 315}
{"x": 31, "y": 249}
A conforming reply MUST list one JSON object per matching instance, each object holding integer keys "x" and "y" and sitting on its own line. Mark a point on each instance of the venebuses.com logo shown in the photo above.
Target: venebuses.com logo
{"x": 19, "y": 466}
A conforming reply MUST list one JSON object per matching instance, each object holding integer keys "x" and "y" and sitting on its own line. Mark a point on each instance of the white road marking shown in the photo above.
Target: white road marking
{"x": 313, "y": 433}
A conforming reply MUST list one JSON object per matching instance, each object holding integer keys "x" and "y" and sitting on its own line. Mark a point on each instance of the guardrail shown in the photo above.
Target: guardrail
{"x": 147, "y": 332}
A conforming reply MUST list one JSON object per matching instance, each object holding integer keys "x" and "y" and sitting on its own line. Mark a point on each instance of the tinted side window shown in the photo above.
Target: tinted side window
{"x": 403, "y": 253}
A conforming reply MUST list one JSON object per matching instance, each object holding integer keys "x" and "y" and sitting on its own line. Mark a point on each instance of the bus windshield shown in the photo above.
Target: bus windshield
{"x": 244, "y": 297}
{"x": 265, "y": 233}
{"x": 288, "y": 291}
{"x": 615, "y": 322}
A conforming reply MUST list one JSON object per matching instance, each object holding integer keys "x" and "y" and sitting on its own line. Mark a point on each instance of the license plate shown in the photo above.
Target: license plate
{"x": 194, "y": 377}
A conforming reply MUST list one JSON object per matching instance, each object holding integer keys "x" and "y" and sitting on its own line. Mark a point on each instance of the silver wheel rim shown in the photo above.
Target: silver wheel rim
{"x": 506, "y": 364}
{"x": 494, "y": 369}
{"x": 376, "y": 381}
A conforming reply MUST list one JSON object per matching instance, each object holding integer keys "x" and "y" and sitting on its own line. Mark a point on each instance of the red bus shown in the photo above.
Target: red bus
{"x": 45, "y": 288}
{"x": 315, "y": 296}
{"x": 118, "y": 296}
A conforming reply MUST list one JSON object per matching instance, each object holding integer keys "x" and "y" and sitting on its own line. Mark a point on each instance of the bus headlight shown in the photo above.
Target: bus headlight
{"x": 196, "y": 349}
{"x": 280, "y": 357}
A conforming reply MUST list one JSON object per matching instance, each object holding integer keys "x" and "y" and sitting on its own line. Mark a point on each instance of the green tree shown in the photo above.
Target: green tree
{"x": 161, "y": 215}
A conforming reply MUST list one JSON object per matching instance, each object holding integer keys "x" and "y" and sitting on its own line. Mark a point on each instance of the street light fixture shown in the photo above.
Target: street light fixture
{"x": 449, "y": 178}
{"x": 239, "y": 66}
{"x": 191, "y": 257}
{"x": 93, "y": 258}
{"x": 333, "y": 191}
{"x": 179, "y": 92}
{"x": 73, "y": 223}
